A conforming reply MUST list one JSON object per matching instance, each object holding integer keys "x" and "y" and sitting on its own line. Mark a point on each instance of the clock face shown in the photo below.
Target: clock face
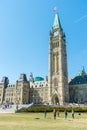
{"x": 55, "y": 33}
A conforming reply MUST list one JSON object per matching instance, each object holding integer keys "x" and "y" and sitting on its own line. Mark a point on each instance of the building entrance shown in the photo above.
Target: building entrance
{"x": 55, "y": 100}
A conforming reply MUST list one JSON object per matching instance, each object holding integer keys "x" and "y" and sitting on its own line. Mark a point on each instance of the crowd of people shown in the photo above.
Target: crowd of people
{"x": 56, "y": 113}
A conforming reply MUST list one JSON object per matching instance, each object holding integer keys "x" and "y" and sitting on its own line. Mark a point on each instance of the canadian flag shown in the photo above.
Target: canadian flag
{"x": 55, "y": 8}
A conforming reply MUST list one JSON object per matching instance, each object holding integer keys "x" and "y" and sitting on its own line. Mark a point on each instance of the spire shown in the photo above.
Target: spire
{"x": 83, "y": 72}
{"x": 56, "y": 23}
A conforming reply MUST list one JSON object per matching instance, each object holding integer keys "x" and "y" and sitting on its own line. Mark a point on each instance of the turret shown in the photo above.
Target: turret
{"x": 5, "y": 81}
{"x": 31, "y": 78}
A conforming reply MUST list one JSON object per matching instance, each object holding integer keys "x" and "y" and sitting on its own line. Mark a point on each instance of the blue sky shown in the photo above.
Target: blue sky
{"x": 24, "y": 35}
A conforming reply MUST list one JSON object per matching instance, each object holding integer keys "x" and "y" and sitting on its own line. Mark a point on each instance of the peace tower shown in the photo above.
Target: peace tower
{"x": 57, "y": 69}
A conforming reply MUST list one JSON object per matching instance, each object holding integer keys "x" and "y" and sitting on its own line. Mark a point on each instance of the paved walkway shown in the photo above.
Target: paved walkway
{"x": 12, "y": 108}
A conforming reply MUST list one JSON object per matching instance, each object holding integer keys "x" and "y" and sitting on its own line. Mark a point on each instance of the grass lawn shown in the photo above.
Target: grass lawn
{"x": 36, "y": 121}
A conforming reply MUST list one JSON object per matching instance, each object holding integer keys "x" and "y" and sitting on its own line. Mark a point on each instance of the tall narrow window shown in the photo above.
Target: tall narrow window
{"x": 55, "y": 82}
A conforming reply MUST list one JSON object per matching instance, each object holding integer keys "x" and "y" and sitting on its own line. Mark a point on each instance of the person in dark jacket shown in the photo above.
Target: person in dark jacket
{"x": 54, "y": 113}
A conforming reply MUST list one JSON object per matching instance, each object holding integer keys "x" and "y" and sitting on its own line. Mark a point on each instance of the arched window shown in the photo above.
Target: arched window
{"x": 55, "y": 82}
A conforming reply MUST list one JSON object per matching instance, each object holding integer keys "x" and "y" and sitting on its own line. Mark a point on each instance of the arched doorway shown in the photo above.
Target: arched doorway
{"x": 55, "y": 100}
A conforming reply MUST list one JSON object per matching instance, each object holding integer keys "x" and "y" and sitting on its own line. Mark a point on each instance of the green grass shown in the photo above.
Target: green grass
{"x": 27, "y": 121}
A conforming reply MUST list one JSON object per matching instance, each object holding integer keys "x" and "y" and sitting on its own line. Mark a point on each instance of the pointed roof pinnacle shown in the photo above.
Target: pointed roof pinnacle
{"x": 83, "y": 72}
{"x": 56, "y": 23}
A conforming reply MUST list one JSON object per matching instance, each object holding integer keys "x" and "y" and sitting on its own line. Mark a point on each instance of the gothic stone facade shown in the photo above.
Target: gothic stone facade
{"x": 14, "y": 93}
{"x": 52, "y": 91}
{"x": 58, "y": 75}
{"x": 24, "y": 91}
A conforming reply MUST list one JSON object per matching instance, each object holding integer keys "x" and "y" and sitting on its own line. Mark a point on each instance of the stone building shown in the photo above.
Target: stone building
{"x": 78, "y": 88}
{"x": 57, "y": 73}
{"x": 39, "y": 91}
{"x": 55, "y": 88}
{"x": 17, "y": 92}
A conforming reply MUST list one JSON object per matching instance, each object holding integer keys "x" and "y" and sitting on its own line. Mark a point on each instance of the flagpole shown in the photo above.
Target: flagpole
{"x": 55, "y": 9}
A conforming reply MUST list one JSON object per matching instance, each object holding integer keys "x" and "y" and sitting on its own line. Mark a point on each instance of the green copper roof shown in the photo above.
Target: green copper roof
{"x": 38, "y": 79}
{"x": 56, "y": 23}
{"x": 79, "y": 80}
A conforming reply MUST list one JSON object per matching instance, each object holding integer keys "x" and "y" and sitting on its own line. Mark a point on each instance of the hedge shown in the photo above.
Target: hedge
{"x": 50, "y": 109}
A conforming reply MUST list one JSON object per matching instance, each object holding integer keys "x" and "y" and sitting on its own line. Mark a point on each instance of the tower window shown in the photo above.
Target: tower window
{"x": 55, "y": 82}
{"x": 58, "y": 44}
